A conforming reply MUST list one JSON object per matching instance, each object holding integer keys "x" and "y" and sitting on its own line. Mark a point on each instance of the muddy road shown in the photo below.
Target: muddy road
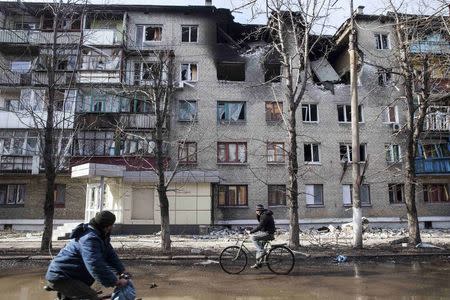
{"x": 388, "y": 279}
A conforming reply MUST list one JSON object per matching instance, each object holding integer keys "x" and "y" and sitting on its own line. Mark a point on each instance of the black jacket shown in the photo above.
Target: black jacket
{"x": 266, "y": 222}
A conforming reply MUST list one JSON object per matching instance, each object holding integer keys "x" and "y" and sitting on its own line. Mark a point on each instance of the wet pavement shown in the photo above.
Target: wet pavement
{"x": 389, "y": 279}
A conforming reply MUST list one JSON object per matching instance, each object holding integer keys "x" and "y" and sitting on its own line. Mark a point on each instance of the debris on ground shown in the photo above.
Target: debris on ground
{"x": 207, "y": 262}
{"x": 427, "y": 245}
{"x": 196, "y": 251}
{"x": 153, "y": 285}
{"x": 323, "y": 229}
{"x": 341, "y": 258}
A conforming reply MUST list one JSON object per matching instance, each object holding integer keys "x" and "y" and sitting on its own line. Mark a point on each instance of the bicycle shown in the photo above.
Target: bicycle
{"x": 278, "y": 258}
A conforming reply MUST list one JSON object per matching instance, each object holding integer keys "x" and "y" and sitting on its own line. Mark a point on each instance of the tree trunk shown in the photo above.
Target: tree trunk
{"x": 294, "y": 232}
{"x": 49, "y": 210}
{"x": 165, "y": 222}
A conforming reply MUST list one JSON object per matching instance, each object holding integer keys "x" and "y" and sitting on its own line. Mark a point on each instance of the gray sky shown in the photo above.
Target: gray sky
{"x": 339, "y": 14}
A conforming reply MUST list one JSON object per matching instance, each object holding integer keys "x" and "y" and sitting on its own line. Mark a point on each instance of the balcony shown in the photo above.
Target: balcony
{"x": 432, "y": 47}
{"x": 114, "y": 119}
{"x": 100, "y": 77}
{"x": 102, "y": 37}
{"x": 437, "y": 119}
{"x": 19, "y": 164}
{"x": 37, "y": 37}
{"x": 433, "y": 166}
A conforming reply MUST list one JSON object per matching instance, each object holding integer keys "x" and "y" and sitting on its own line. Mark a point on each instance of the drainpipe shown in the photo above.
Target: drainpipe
{"x": 102, "y": 192}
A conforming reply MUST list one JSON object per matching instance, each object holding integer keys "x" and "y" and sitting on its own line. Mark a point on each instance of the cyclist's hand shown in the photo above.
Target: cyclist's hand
{"x": 121, "y": 282}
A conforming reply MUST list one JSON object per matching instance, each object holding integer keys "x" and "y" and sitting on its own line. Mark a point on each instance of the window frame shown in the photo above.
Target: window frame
{"x": 379, "y": 41}
{"x": 349, "y": 152}
{"x": 190, "y": 34}
{"x": 427, "y": 193}
{"x": 273, "y": 146}
{"x": 20, "y": 189}
{"x": 227, "y": 153}
{"x": 311, "y": 146}
{"x": 393, "y": 189}
{"x": 363, "y": 204}
{"x": 189, "y": 67}
{"x": 144, "y": 40}
{"x": 388, "y": 115}
{"x": 195, "y": 117}
{"x": 227, "y": 200}
{"x": 58, "y": 189}
{"x": 389, "y": 148}
{"x": 384, "y": 77}
{"x": 226, "y": 112}
{"x": 185, "y": 145}
{"x": 348, "y": 120}
{"x": 308, "y": 105}
{"x": 273, "y": 192}
{"x": 313, "y": 195}
{"x": 269, "y": 108}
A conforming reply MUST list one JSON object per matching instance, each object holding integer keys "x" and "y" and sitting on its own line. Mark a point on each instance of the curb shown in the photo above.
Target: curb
{"x": 216, "y": 257}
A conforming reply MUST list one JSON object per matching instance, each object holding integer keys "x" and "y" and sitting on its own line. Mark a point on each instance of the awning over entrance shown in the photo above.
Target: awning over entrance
{"x": 182, "y": 176}
{"x": 91, "y": 170}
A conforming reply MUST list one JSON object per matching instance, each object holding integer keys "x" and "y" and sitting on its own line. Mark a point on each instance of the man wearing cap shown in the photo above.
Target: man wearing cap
{"x": 264, "y": 232}
{"x": 88, "y": 256}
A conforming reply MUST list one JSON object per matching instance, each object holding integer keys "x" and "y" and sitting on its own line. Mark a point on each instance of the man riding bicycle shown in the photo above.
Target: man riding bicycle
{"x": 264, "y": 232}
{"x": 88, "y": 256}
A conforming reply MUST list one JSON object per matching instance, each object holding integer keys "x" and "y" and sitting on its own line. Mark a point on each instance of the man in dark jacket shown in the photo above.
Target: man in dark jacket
{"x": 88, "y": 256}
{"x": 264, "y": 232}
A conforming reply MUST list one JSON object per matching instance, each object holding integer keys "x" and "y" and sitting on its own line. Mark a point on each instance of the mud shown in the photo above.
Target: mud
{"x": 388, "y": 279}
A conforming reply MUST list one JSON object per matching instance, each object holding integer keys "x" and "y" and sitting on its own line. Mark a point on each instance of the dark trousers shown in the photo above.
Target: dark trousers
{"x": 72, "y": 288}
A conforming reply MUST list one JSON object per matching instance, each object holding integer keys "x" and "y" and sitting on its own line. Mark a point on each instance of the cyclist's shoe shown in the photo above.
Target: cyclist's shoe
{"x": 256, "y": 266}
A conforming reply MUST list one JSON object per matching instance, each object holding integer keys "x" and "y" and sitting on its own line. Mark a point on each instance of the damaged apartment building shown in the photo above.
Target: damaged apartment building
{"x": 226, "y": 136}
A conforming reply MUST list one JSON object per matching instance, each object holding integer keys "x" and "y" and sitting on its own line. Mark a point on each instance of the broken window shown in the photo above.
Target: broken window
{"x": 12, "y": 194}
{"x": 347, "y": 194}
{"x": 381, "y": 41}
{"x": 272, "y": 72}
{"x": 276, "y": 194}
{"x": 396, "y": 193}
{"x": 393, "y": 153}
{"x": 153, "y": 33}
{"x": 187, "y": 110}
{"x": 275, "y": 152}
{"x": 232, "y": 112}
{"x": 187, "y": 152}
{"x": 231, "y": 71}
{"x": 384, "y": 77}
{"x": 106, "y": 59}
{"x": 233, "y": 195}
{"x": 231, "y": 152}
{"x": 60, "y": 195}
{"x": 314, "y": 194}
{"x": 311, "y": 153}
{"x": 345, "y": 151}
{"x": 345, "y": 113}
{"x": 189, "y": 72}
{"x": 189, "y": 34}
{"x": 309, "y": 113}
{"x": 274, "y": 111}
{"x": 436, "y": 193}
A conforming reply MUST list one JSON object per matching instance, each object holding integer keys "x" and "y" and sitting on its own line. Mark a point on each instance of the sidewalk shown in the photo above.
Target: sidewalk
{"x": 377, "y": 243}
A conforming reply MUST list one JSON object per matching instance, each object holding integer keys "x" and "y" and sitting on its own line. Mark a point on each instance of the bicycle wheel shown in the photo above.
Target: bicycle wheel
{"x": 280, "y": 260}
{"x": 233, "y": 260}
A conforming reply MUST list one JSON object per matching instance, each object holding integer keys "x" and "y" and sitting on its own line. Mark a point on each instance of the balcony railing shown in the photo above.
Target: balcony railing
{"x": 19, "y": 164}
{"x": 432, "y": 166}
{"x": 37, "y": 37}
{"x": 438, "y": 119}
{"x": 114, "y": 119}
{"x": 102, "y": 37}
{"x": 434, "y": 47}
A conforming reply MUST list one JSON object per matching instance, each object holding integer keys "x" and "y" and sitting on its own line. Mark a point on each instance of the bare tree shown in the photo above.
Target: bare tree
{"x": 416, "y": 58}
{"x": 48, "y": 107}
{"x": 290, "y": 27}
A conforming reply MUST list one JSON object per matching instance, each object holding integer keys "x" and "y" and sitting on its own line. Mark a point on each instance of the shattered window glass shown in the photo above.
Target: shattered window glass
{"x": 153, "y": 33}
{"x": 231, "y": 111}
{"x": 187, "y": 110}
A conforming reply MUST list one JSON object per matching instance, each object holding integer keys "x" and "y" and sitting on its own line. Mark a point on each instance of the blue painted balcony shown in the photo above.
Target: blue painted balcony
{"x": 433, "y": 166}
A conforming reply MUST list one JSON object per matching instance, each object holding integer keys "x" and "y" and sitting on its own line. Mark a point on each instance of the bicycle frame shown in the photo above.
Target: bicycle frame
{"x": 242, "y": 247}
